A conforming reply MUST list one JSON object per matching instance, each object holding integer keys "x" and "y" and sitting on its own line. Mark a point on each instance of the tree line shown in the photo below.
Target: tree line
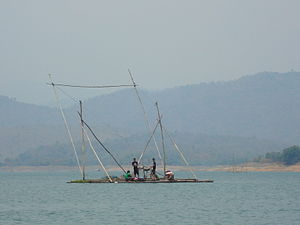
{"x": 288, "y": 156}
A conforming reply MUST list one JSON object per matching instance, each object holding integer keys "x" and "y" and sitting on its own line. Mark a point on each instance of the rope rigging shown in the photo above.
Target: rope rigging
{"x": 103, "y": 146}
{"x": 68, "y": 95}
{"x": 144, "y": 112}
{"x": 180, "y": 153}
{"x": 148, "y": 142}
{"x": 56, "y": 87}
{"x": 91, "y": 86}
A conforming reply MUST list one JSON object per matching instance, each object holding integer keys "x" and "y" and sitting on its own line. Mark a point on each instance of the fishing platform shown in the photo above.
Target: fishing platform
{"x": 167, "y": 176}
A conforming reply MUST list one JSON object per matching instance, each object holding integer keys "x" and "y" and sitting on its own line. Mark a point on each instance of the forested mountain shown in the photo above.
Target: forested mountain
{"x": 264, "y": 106}
{"x": 24, "y": 126}
{"x": 14, "y": 113}
{"x": 199, "y": 149}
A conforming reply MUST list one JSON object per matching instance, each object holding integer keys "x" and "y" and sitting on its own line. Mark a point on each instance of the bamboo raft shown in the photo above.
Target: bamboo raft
{"x": 119, "y": 180}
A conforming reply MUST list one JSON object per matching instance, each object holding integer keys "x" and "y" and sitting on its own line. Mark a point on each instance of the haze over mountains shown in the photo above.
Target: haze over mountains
{"x": 246, "y": 117}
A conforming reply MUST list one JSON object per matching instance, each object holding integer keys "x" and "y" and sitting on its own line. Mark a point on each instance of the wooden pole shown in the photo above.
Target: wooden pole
{"x": 83, "y": 147}
{"x": 65, "y": 122}
{"x": 162, "y": 138}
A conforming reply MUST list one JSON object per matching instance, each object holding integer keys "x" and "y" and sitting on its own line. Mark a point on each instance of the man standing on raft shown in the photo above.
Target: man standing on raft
{"x": 135, "y": 167}
{"x": 153, "y": 167}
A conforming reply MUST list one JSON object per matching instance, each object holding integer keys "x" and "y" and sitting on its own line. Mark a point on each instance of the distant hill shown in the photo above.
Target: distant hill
{"x": 259, "y": 107}
{"x": 199, "y": 149}
{"x": 15, "y": 113}
{"x": 24, "y": 126}
{"x": 264, "y": 105}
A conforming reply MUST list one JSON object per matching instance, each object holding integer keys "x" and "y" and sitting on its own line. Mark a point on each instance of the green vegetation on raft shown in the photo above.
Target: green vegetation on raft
{"x": 102, "y": 180}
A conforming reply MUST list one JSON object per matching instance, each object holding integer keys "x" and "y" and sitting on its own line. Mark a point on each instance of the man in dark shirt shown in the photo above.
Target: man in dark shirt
{"x": 135, "y": 167}
{"x": 153, "y": 167}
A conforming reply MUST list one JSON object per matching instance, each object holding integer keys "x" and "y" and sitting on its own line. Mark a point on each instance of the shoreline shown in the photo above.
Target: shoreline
{"x": 257, "y": 167}
{"x": 247, "y": 167}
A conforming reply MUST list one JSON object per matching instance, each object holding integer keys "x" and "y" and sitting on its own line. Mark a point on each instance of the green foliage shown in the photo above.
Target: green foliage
{"x": 291, "y": 155}
{"x": 288, "y": 156}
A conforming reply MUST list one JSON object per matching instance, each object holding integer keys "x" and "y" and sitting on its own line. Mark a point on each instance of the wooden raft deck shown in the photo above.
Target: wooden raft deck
{"x": 141, "y": 181}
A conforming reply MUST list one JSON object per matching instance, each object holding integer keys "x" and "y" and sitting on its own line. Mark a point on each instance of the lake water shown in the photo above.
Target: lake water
{"x": 259, "y": 198}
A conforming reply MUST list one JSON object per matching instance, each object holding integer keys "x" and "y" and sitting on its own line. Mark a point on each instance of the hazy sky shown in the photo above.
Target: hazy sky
{"x": 165, "y": 43}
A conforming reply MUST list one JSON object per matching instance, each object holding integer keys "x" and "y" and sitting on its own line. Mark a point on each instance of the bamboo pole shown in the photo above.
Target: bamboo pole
{"x": 83, "y": 147}
{"x": 162, "y": 138}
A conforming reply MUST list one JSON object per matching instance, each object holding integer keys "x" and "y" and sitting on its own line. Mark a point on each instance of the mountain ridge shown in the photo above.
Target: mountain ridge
{"x": 264, "y": 106}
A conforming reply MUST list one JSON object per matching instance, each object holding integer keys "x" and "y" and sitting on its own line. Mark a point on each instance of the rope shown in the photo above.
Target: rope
{"x": 145, "y": 113}
{"x": 152, "y": 135}
{"x": 66, "y": 125}
{"x": 103, "y": 145}
{"x": 93, "y": 149}
{"x": 92, "y": 86}
{"x": 180, "y": 153}
{"x": 66, "y": 94}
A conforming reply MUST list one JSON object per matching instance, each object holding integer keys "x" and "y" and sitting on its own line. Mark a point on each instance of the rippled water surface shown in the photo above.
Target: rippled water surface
{"x": 234, "y": 198}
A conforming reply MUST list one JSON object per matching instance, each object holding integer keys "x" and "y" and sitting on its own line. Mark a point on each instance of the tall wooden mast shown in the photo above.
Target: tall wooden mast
{"x": 162, "y": 138}
{"x": 83, "y": 147}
